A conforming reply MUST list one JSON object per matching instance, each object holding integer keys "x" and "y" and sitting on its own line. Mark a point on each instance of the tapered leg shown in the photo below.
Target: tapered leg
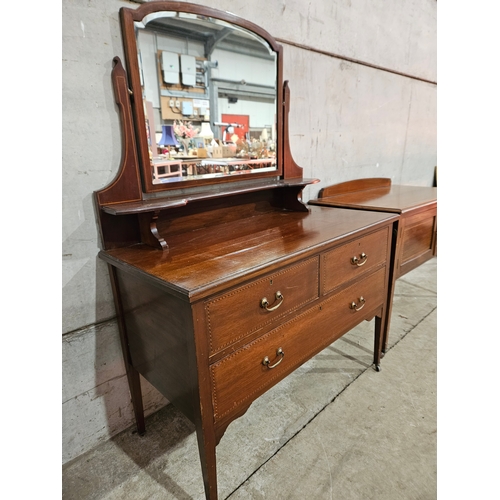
{"x": 379, "y": 333}
{"x": 134, "y": 384}
{"x": 133, "y": 376}
{"x": 206, "y": 447}
{"x": 390, "y": 288}
{"x": 388, "y": 312}
{"x": 202, "y": 400}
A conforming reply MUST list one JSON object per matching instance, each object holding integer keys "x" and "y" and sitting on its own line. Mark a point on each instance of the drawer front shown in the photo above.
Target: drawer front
{"x": 354, "y": 259}
{"x": 241, "y": 377}
{"x": 236, "y": 314}
{"x": 418, "y": 235}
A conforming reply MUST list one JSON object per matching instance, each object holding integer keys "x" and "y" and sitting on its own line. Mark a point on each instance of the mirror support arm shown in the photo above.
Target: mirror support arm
{"x": 290, "y": 169}
{"x": 127, "y": 184}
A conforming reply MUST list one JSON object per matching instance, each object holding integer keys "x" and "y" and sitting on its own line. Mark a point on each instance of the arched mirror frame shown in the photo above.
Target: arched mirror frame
{"x": 128, "y": 18}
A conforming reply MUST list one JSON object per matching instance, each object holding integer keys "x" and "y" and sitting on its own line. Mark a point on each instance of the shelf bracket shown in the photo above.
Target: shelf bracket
{"x": 149, "y": 230}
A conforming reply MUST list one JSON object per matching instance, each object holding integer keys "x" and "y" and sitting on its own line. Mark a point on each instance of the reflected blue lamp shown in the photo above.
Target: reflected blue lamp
{"x": 168, "y": 136}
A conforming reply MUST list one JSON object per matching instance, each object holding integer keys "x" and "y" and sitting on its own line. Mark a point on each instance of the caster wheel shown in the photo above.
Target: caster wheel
{"x": 378, "y": 368}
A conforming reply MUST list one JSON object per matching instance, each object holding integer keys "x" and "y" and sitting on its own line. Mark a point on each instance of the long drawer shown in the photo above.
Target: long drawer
{"x": 246, "y": 309}
{"x": 354, "y": 259}
{"x": 242, "y": 376}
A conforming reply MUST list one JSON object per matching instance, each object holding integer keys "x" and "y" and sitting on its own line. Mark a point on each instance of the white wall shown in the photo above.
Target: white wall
{"x": 242, "y": 67}
{"x": 149, "y": 43}
{"x": 253, "y": 70}
{"x": 347, "y": 121}
{"x": 231, "y": 66}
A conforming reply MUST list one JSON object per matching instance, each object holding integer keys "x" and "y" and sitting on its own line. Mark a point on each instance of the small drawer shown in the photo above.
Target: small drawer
{"x": 246, "y": 309}
{"x": 354, "y": 259}
{"x": 240, "y": 377}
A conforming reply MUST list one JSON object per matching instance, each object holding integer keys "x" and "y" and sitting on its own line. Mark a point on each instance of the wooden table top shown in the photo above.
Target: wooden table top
{"x": 205, "y": 259}
{"x": 395, "y": 198}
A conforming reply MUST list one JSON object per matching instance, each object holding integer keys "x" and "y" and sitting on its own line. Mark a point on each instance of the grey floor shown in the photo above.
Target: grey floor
{"x": 334, "y": 429}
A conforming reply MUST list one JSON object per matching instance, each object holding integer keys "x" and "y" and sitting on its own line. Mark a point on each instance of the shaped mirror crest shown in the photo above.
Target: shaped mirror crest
{"x": 209, "y": 91}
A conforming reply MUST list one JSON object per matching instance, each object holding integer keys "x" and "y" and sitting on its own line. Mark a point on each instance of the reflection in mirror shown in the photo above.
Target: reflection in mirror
{"x": 209, "y": 95}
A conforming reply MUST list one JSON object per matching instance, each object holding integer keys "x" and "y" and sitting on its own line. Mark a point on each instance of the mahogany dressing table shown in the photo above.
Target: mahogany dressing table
{"x": 415, "y": 233}
{"x": 223, "y": 285}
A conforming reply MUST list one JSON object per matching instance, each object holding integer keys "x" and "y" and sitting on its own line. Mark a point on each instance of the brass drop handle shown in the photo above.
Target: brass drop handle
{"x": 361, "y": 261}
{"x": 264, "y": 303}
{"x": 279, "y": 352}
{"x": 356, "y": 307}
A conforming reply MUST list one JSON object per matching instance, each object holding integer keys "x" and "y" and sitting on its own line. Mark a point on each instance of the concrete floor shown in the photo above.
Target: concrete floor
{"x": 334, "y": 429}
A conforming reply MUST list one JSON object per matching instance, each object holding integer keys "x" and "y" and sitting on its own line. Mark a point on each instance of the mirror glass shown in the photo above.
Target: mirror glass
{"x": 209, "y": 92}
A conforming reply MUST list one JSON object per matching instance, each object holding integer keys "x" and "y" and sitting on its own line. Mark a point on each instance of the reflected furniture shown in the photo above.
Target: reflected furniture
{"x": 195, "y": 167}
{"x": 415, "y": 233}
{"x": 225, "y": 287}
{"x": 166, "y": 168}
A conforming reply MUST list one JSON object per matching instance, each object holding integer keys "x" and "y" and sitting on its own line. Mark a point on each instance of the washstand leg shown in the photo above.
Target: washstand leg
{"x": 133, "y": 376}
{"x": 379, "y": 331}
{"x": 134, "y": 384}
{"x": 206, "y": 447}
